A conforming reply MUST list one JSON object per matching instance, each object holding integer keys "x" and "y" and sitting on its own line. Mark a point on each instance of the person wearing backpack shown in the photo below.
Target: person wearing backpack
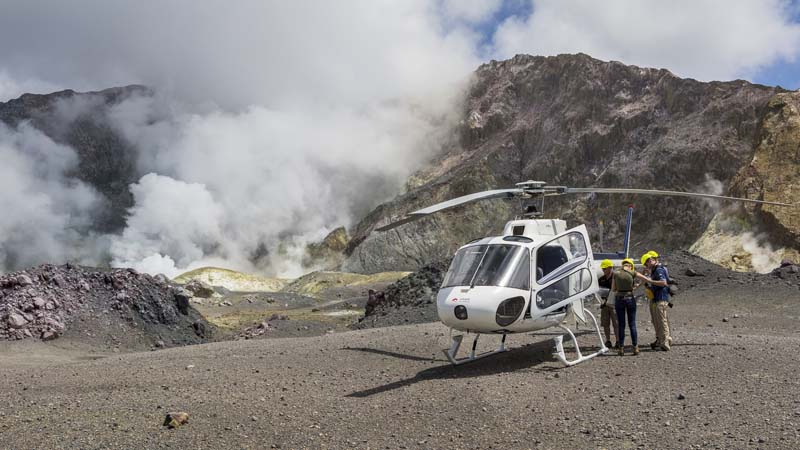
{"x": 659, "y": 305}
{"x": 622, "y": 284}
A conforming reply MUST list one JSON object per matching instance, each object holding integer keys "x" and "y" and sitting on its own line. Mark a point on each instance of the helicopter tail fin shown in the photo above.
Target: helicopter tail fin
{"x": 626, "y": 245}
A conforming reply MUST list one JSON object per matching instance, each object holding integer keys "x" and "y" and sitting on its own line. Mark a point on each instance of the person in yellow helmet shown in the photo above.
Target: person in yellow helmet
{"x": 622, "y": 285}
{"x": 648, "y": 291}
{"x": 608, "y": 316}
{"x": 659, "y": 284}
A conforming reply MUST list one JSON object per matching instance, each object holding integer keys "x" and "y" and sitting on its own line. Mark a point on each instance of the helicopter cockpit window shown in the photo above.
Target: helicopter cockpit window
{"x": 497, "y": 265}
{"x": 559, "y": 256}
{"x": 464, "y": 265}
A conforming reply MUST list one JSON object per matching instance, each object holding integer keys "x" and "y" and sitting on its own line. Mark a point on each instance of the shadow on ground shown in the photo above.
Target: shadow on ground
{"x": 525, "y": 357}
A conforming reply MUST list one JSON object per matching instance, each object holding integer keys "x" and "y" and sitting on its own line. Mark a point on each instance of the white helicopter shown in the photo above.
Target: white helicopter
{"x": 531, "y": 276}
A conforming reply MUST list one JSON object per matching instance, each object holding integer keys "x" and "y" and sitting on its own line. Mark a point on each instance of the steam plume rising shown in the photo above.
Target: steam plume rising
{"x": 232, "y": 188}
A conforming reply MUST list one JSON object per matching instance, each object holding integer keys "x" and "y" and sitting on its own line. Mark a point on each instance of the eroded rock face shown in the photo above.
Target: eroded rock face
{"x": 575, "y": 121}
{"x": 774, "y": 173}
{"x": 760, "y": 237}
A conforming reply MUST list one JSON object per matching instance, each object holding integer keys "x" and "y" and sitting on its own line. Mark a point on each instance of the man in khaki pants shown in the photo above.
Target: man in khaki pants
{"x": 608, "y": 315}
{"x": 659, "y": 285}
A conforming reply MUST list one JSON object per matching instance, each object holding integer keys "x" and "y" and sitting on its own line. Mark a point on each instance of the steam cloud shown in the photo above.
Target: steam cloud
{"x": 249, "y": 190}
{"x": 763, "y": 257}
{"x": 46, "y": 216}
{"x": 275, "y": 122}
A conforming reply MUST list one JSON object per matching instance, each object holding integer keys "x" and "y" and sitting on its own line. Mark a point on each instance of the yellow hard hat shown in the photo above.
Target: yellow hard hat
{"x": 628, "y": 261}
{"x": 606, "y": 263}
{"x": 648, "y": 255}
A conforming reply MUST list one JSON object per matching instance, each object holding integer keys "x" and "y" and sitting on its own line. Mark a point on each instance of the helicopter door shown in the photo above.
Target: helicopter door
{"x": 563, "y": 271}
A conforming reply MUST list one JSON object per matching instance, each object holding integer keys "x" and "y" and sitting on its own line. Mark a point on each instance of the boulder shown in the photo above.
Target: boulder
{"x": 199, "y": 289}
{"x": 200, "y": 328}
{"x": 16, "y": 321}
{"x": 182, "y": 302}
{"x": 24, "y": 280}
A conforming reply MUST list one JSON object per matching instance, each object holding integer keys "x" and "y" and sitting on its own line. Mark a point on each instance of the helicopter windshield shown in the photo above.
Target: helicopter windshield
{"x": 490, "y": 265}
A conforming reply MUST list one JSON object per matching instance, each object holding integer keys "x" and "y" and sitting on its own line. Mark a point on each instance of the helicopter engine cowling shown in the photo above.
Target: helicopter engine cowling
{"x": 483, "y": 309}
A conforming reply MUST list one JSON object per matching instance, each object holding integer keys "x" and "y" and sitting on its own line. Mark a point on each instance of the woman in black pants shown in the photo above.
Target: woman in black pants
{"x": 625, "y": 304}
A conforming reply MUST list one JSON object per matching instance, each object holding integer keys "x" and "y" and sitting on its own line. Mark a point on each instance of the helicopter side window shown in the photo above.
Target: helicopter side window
{"x": 548, "y": 259}
{"x": 564, "y": 288}
{"x": 559, "y": 256}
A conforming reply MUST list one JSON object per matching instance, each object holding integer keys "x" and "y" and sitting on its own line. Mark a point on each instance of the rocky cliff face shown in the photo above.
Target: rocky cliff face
{"x": 576, "y": 121}
{"x": 761, "y": 237}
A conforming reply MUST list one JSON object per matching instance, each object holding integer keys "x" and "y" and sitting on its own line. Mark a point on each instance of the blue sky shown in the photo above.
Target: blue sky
{"x": 784, "y": 73}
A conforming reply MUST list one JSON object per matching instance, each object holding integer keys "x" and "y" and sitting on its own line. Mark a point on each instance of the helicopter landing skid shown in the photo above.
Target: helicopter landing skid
{"x": 451, "y": 353}
{"x": 581, "y": 357}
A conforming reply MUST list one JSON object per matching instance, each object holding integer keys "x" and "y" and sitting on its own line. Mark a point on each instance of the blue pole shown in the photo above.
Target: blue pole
{"x": 627, "y": 244}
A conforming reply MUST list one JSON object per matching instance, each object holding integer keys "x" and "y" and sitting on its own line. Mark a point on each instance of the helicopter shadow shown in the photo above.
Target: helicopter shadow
{"x": 393, "y": 354}
{"x": 524, "y": 357}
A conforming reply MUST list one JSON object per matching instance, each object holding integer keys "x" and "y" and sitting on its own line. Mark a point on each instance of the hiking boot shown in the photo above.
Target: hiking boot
{"x": 608, "y": 344}
{"x": 621, "y": 351}
{"x": 635, "y": 349}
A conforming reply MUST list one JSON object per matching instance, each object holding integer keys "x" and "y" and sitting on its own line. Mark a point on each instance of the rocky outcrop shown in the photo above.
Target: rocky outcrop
{"x": 760, "y": 237}
{"x": 411, "y": 299}
{"x": 576, "y": 121}
{"x": 328, "y": 253}
{"x": 121, "y": 308}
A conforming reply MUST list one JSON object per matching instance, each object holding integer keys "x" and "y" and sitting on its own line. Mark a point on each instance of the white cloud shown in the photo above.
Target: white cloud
{"x": 472, "y": 11}
{"x": 703, "y": 39}
{"x": 273, "y": 53}
{"x": 274, "y": 122}
{"x": 11, "y": 87}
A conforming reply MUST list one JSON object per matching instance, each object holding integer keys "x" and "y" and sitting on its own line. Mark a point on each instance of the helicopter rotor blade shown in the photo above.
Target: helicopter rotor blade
{"x": 458, "y": 201}
{"x": 667, "y": 193}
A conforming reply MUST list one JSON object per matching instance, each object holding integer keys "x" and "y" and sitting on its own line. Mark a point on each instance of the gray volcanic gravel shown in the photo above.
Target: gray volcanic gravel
{"x": 726, "y": 384}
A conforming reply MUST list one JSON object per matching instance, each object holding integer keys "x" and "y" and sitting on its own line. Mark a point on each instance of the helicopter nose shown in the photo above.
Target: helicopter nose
{"x": 473, "y": 309}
